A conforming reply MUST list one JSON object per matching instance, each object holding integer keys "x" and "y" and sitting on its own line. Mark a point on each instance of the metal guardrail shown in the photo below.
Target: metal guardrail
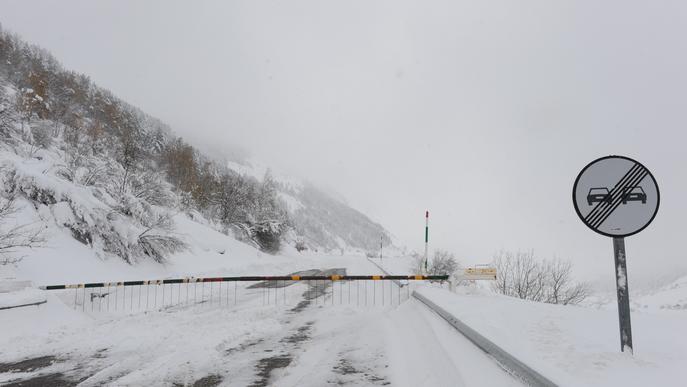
{"x": 38, "y": 303}
{"x": 507, "y": 361}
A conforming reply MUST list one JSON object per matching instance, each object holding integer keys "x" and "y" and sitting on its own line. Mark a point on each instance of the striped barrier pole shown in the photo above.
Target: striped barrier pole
{"x": 252, "y": 279}
{"x": 317, "y": 286}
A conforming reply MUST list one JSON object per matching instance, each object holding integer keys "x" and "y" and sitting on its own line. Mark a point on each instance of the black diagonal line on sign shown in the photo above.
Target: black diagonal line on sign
{"x": 617, "y": 203}
{"x": 636, "y": 177}
{"x": 618, "y": 194}
{"x": 600, "y": 206}
{"x": 615, "y": 192}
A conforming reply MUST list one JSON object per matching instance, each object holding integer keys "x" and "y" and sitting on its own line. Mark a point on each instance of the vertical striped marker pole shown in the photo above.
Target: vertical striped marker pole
{"x": 426, "y": 237}
{"x": 381, "y": 243}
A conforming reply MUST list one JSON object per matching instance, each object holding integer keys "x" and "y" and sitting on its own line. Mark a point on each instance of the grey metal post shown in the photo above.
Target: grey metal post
{"x": 623, "y": 294}
{"x": 381, "y": 244}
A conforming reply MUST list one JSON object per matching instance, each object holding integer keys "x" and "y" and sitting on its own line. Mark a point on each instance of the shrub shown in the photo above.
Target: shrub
{"x": 521, "y": 275}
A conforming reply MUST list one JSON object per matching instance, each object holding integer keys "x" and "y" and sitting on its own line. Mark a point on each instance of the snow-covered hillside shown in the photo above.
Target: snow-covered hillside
{"x": 322, "y": 220}
{"x": 114, "y": 178}
{"x": 670, "y": 297}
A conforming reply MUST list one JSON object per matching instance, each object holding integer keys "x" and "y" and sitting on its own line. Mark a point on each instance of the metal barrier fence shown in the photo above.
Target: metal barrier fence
{"x": 299, "y": 290}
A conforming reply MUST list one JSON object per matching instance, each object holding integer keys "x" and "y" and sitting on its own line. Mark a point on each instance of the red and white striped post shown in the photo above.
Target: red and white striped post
{"x": 426, "y": 237}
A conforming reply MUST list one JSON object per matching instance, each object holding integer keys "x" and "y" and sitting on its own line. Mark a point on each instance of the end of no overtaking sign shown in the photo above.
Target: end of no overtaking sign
{"x": 617, "y": 196}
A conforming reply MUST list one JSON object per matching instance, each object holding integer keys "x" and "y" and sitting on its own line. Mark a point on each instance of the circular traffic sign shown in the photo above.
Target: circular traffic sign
{"x": 616, "y": 196}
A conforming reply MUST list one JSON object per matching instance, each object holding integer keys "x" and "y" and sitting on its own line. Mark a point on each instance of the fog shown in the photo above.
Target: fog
{"x": 481, "y": 112}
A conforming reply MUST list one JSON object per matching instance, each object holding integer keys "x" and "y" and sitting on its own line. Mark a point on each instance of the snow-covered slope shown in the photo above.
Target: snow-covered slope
{"x": 321, "y": 220}
{"x": 112, "y": 176}
{"x": 672, "y": 296}
{"x": 573, "y": 345}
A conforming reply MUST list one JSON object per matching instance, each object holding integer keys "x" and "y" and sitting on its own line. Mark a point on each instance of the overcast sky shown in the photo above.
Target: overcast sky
{"x": 482, "y": 112}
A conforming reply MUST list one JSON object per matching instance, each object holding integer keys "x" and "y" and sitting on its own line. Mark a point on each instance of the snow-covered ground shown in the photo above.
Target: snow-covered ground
{"x": 575, "y": 345}
{"x": 298, "y": 340}
{"x": 292, "y": 342}
{"x": 395, "y": 265}
{"x": 671, "y": 297}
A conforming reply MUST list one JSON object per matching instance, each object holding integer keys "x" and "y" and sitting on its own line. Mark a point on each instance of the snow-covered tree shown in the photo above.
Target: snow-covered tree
{"x": 13, "y": 237}
{"x": 443, "y": 263}
{"x": 8, "y": 115}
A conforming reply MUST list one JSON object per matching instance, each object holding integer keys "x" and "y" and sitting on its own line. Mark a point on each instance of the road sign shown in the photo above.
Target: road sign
{"x": 479, "y": 273}
{"x": 617, "y": 197}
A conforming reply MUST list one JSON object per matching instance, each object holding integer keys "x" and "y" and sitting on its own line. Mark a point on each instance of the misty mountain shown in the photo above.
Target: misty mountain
{"x": 321, "y": 220}
{"x": 116, "y": 178}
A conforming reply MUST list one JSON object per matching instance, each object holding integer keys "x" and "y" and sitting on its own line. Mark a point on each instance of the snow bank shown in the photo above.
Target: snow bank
{"x": 23, "y": 297}
{"x": 395, "y": 265}
{"x": 572, "y": 345}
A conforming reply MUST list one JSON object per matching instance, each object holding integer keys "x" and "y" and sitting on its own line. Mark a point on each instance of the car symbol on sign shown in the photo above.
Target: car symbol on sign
{"x": 598, "y": 195}
{"x": 634, "y": 194}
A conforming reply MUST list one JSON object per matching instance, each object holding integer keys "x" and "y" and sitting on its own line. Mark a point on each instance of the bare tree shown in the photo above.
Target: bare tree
{"x": 521, "y": 275}
{"x": 575, "y": 294}
{"x": 561, "y": 289}
{"x": 503, "y": 263}
{"x": 528, "y": 278}
{"x": 518, "y": 275}
{"x": 15, "y": 237}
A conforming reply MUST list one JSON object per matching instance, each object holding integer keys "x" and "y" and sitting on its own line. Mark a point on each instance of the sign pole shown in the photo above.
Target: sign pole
{"x": 623, "y": 294}
{"x": 426, "y": 238}
{"x": 617, "y": 196}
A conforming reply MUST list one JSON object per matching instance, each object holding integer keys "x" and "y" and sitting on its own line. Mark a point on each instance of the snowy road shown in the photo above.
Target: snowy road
{"x": 304, "y": 341}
